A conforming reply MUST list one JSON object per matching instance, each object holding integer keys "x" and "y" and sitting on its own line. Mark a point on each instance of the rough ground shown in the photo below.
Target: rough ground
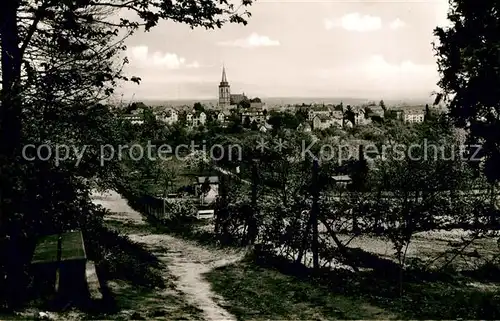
{"x": 184, "y": 260}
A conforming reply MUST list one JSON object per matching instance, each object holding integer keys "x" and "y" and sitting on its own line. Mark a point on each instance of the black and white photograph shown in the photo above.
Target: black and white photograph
{"x": 249, "y": 160}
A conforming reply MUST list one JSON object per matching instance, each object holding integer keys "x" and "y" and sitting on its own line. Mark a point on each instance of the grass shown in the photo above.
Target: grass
{"x": 138, "y": 285}
{"x": 260, "y": 289}
{"x": 258, "y": 293}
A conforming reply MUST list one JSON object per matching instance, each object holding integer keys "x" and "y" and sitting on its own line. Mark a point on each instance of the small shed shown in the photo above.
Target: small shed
{"x": 211, "y": 179}
{"x": 342, "y": 180}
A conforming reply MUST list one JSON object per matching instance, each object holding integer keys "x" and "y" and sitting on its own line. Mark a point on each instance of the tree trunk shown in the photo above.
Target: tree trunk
{"x": 252, "y": 222}
{"x": 10, "y": 107}
{"x": 303, "y": 246}
{"x": 493, "y": 213}
{"x": 10, "y": 125}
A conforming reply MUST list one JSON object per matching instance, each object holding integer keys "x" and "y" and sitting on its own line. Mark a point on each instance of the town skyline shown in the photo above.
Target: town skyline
{"x": 339, "y": 49}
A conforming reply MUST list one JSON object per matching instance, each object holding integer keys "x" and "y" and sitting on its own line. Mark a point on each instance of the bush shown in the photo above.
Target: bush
{"x": 180, "y": 209}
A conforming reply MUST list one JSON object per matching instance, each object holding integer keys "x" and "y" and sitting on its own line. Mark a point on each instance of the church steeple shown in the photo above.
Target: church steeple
{"x": 224, "y": 78}
{"x": 224, "y": 91}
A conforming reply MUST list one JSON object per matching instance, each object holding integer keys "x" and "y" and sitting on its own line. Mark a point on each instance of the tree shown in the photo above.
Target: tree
{"x": 350, "y": 115}
{"x": 275, "y": 120}
{"x": 205, "y": 188}
{"x": 59, "y": 59}
{"x": 247, "y": 122}
{"x": 382, "y": 105}
{"x": 283, "y": 120}
{"x": 427, "y": 115}
{"x": 254, "y": 125}
{"x": 198, "y": 107}
{"x": 468, "y": 61}
{"x": 244, "y": 104}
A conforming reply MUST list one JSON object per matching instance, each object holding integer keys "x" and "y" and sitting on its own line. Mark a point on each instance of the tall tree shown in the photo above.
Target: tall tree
{"x": 382, "y": 105}
{"x": 60, "y": 58}
{"x": 469, "y": 61}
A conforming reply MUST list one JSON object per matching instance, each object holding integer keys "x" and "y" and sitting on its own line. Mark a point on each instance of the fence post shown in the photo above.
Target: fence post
{"x": 314, "y": 214}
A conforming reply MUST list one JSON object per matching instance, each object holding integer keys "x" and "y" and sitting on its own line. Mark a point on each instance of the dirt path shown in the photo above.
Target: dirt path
{"x": 186, "y": 261}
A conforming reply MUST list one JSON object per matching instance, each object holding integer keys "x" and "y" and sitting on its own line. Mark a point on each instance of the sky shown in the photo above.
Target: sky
{"x": 358, "y": 49}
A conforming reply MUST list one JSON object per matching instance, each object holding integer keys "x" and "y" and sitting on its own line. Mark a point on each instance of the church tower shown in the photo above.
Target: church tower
{"x": 224, "y": 91}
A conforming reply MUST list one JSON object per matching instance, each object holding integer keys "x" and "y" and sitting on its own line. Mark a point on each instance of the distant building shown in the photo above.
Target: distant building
{"x": 136, "y": 119}
{"x": 235, "y": 99}
{"x": 265, "y": 127}
{"x": 397, "y": 113}
{"x": 376, "y": 111}
{"x": 256, "y": 104}
{"x": 322, "y": 122}
{"x": 304, "y": 127}
{"x": 342, "y": 180}
{"x": 254, "y": 114}
{"x": 224, "y": 91}
{"x": 414, "y": 114}
{"x": 195, "y": 119}
{"x": 170, "y": 116}
{"x": 316, "y": 111}
{"x": 360, "y": 116}
{"x": 223, "y": 117}
{"x": 337, "y": 117}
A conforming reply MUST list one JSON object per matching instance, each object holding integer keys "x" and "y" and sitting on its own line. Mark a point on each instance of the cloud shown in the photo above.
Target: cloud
{"x": 252, "y": 41}
{"x": 377, "y": 65}
{"x": 378, "y": 76}
{"x": 397, "y": 24}
{"x": 355, "y": 22}
{"x": 140, "y": 55}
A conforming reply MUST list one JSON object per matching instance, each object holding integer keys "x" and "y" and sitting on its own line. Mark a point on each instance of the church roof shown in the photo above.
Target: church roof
{"x": 224, "y": 78}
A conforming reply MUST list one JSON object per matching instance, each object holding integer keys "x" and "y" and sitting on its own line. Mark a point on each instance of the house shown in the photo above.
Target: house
{"x": 337, "y": 118}
{"x": 304, "y": 127}
{"x": 195, "y": 119}
{"x": 397, "y": 113}
{"x": 265, "y": 127}
{"x": 342, "y": 180}
{"x": 253, "y": 114}
{"x": 376, "y": 111}
{"x": 414, "y": 114}
{"x": 316, "y": 111}
{"x": 322, "y": 121}
{"x": 170, "y": 116}
{"x": 136, "y": 119}
{"x": 360, "y": 117}
{"x": 256, "y": 104}
{"x": 223, "y": 117}
{"x": 213, "y": 183}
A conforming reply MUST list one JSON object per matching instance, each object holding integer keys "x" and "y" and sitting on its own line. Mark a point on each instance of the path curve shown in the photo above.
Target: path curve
{"x": 185, "y": 260}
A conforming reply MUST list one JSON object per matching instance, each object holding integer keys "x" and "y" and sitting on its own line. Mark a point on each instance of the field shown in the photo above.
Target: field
{"x": 266, "y": 288}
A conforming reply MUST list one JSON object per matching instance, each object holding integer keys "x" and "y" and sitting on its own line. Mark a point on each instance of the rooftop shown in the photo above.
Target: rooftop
{"x": 211, "y": 179}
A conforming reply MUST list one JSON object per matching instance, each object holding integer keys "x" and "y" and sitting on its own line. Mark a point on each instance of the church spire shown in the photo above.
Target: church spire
{"x": 224, "y": 79}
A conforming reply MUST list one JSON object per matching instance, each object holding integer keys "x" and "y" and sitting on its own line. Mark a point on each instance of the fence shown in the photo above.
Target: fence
{"x": 146, "y": 204}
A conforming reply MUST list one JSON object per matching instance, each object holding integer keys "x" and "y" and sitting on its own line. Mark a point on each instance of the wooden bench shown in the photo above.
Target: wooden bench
{"x": 59, "y": 266}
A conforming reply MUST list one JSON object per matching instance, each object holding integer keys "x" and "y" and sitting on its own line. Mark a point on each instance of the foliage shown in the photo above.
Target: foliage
{"x": 59, "y": 60}
{"x": 467, "y": 52}
{"x": 180, "y": 209}
{"x": 283, "y": 120}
